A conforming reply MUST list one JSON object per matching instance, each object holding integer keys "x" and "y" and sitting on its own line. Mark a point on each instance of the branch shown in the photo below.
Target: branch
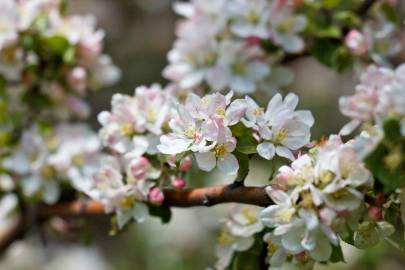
{"x": 15, "y": 231}
{"x": 364, "y": 8}
{"x": 207, "y": 196}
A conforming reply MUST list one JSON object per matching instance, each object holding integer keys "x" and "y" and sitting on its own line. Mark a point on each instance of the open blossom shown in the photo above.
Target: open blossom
{"x": 279, "y": 127}
{"x": 218, "y": 43}
{"x": 126, "y": 200}
{"x": 201, "y": 126}
{"x": 237, "y": 233}
{"x": 379, "y": 95}
{"x": 285, "y": 26}
{"x": 135, "y": 122}
{"x": 43, "y": 161}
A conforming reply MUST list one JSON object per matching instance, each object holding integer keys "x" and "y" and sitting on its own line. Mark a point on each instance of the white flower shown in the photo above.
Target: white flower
{"x": 285, "y": 27}
{"x": 123, "y": 199}
{"x": 244, "y": 220}
{"x": 250, "y": 18}
{"x": 281, "y": 129}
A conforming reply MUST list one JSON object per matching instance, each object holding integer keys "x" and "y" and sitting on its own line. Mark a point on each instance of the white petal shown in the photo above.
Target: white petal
{"x": 266, "y": 150}
{"x": 284, "y": 152}
{"x": 228, "y": 164}
{"x": 206, "y": 161}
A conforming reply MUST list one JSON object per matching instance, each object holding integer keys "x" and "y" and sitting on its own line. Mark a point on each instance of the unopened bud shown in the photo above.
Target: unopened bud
{"x": 156, "y": 196}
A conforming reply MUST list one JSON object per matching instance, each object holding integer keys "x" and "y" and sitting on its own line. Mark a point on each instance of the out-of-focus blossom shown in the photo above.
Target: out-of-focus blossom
{"x": 379, "y": 95}
{"x": 356, "y": 42}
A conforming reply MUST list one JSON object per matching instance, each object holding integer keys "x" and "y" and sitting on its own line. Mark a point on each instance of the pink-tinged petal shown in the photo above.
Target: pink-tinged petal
{"x": 228, "y": 164}
{"x": 266, "y": 150}
{"x": 206, "y": 161}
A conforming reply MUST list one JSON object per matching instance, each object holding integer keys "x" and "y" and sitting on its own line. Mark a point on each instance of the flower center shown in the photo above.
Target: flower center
{"x": 78, "y": 159}
{"x": 151, "y": 115}
{"x": 209, "y": 58}
{"x": 189, "y": 132}
{"x": 127, "y": 129}
{"x": 258, "y": 111}
{"x": 307, "y": 201}
{"x": 127, "y": 203}
{"x": 271, "y": 248}
{"x": 220, "y": 150}
{"x": 225, "y": 238}
{"x": 286, "y": 215}
{"x": 280, "y": 135}
{"x": 249, "y": 214}
{"x": 48, "y": 172}
{"x": 220, "y": 112}
{"x": 253, "y": 17}
{"x": 340, "y": 193}
{"x": 239, "y": 68}
{"x": 325, "y": 178}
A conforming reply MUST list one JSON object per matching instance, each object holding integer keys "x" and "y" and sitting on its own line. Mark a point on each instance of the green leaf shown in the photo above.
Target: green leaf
{"x": 391, "y": 180}
{"x": 390, "y": 13}
{"x": 392, "y": 129}
{"x": 239, "y": 130}
{"x": 331, "y": 53}
{"x": 268, "y": 46}
{"x": 348, "y": 18}
{"x": 246, "y": 145}
{"x": 337, "y": 254}
{"x": 163, "y": 212}
{"x": 249, "y": 259}
{"x": 55, "y": 44}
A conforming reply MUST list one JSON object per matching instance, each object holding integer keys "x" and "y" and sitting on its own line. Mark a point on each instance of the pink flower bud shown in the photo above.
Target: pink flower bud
{"x": 178, "y": 183}
{"x": 77, "y": 79}
{"x": 356, "y": 42}
{"x": 138, "y": 168}
{"x": 90, "y": 49}
{"x": 252, "y": 40}
{"x": 156, "y": 196}
{"x": 186, "y": 163}
{"x": 284, "y": 176}
{"x": 375, "y": 213}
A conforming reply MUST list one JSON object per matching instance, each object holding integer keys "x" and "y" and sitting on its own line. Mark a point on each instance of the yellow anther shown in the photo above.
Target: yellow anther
{"x": 220, "y": 111}
{"x": 127, "y": 203}
{"x": 225, "y": 238}
{"x": 189, "y": 132}
{"x": 249, "y": 214}
{"x": 258, "y": 111}
{"x": 307, "y": 201}
{"x": 326, "y": 177}
{"x": 127, "y": 129}
{"x": 253, "y": 17}
{"x": 48, "y": 172}
{"x": 286, "y": 215}
{"x": 78, "y": 160}
{"x": 271, "y": 248}
{"x": 340, "y": 193}
{"x": 220, "y": 150}
{"x": 280, "y": 135}
{"x": 239, "y": 68}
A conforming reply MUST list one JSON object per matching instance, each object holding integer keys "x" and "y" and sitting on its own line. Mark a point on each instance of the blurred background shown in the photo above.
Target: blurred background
{"x": 139, "y": 34}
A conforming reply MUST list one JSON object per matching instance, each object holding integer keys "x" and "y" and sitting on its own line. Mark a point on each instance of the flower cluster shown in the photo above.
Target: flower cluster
{"x": 135, "y": 123}
{"x": 52, "y": 58}
{"x": 203, "y": 126}
{"x": 379, "y": 95}
{"x": 379, "y": 39}
{"x": 44, "y": 159}
{"x": 315, "y": 198}
{"x": 219, "y": 44}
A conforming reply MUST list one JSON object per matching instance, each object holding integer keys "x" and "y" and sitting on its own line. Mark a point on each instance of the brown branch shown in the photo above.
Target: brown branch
{"x": 15, "y": 231}
{"x": 207, "y": 196}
